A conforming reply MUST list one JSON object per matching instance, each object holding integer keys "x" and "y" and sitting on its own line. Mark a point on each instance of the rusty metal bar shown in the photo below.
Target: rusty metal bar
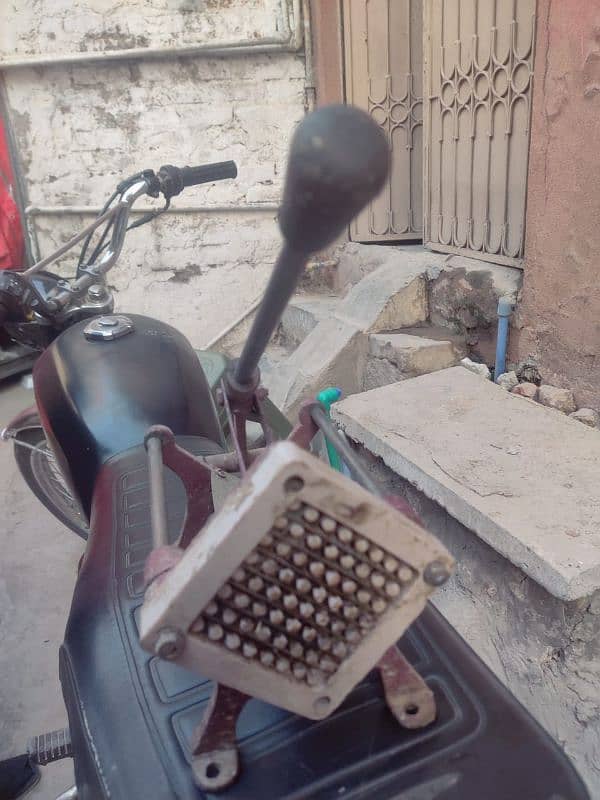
{"x": 408, "y": 697}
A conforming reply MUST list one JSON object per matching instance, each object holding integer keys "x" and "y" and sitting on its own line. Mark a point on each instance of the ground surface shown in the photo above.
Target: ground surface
{"x": 38, "y": 564}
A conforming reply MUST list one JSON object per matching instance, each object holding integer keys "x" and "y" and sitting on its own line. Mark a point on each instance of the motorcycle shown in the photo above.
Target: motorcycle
{"x": 36, "y": 306}
{"x": 233, "y": 629}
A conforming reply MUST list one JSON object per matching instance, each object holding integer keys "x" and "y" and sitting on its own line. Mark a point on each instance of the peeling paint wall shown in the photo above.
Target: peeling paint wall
{"x": 59, "y": 26}
{"x": 559, "y": 318}
{"x": 81, "y": 128}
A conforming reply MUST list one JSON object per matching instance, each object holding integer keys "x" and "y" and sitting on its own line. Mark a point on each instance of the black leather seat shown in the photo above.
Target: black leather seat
{"x": 132, "y": 715}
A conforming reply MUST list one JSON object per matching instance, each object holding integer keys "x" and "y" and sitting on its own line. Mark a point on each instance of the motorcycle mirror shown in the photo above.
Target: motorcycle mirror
{"x": 339, "y": 159}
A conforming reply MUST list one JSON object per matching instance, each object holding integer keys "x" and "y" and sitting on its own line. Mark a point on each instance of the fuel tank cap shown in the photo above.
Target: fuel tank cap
{"x": 109, "y": 327}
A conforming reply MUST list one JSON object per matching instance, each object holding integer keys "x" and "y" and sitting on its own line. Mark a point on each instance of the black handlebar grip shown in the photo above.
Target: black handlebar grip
{"x": 207, "y": 173}
{"x": 173, "y": 180}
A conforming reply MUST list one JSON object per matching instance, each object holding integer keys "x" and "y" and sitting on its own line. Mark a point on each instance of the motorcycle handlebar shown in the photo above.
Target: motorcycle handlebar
{"x": 191, "y": 176}
{"x": 174, "y": 180}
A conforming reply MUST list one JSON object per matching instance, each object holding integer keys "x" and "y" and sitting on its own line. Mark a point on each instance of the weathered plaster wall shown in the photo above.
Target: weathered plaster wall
{"x": 80, "y": 128}
{"x": 545, "y": 650}
{"x": 59, "y": 26}
{"x": 559, "y": 317}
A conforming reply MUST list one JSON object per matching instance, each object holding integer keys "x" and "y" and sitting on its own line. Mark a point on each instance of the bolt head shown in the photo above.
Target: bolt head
{"x": 169, "y": 644}
{"x": 436, "y": 573}
{"x": 97, "y": 292}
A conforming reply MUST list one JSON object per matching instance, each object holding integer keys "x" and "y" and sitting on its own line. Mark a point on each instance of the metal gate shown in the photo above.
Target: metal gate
{"x": 383, "y": 44}
{"x": 478, "y": 59}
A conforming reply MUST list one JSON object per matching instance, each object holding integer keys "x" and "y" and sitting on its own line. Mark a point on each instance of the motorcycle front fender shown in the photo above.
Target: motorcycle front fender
{"x": 24, "y": 420}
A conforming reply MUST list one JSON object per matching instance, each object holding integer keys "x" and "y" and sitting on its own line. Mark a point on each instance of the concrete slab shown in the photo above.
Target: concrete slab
{"x": 37, "y": 575}
{"x": 521, "y": 476}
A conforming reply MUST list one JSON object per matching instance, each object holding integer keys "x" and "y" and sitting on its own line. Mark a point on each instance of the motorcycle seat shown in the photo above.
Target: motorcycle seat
{"x": 132, "y": 715}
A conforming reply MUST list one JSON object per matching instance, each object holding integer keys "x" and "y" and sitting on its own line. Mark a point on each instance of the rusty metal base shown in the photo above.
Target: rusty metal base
{"x": 407, "y": 695}
{"x": 216, "y": 761}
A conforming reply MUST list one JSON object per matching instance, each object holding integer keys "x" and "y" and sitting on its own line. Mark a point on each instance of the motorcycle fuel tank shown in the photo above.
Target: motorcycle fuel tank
{"x": 99, "y": 387}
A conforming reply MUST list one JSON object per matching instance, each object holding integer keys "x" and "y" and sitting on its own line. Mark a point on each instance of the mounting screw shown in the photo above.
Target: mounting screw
{"x": 294, "y": 484}
{"x": 97, "y": 292}
{"x": 169, "y": 643}
{"x": 436, "y": 573}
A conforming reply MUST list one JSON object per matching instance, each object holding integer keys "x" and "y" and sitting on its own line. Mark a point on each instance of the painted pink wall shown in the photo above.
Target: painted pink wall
{"x": 559, "y": 317}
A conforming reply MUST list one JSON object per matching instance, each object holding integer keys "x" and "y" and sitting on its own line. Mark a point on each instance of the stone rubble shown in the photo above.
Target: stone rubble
{"x": 478, "y": 369}
{"x": 528, "y": 372}
{"x": 586, "y": 415}
{"x": 508, "y": 381}
{"x": 555, "y": 397}
{"x": 526, "y": 389}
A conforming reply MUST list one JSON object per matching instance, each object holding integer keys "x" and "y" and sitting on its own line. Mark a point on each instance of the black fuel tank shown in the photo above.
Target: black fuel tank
{"x": 98, "y": 398}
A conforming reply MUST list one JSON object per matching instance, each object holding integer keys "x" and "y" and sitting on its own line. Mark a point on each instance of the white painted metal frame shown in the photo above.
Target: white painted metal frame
{"x": 296, "y": 587}
{"x": 383, "y": 75}
{"x": 478, "y": 62}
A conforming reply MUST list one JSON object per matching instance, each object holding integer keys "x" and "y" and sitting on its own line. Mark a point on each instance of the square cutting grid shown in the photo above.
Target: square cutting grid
{"x": 306, "y": 597}
{"x": 296, "y": 587}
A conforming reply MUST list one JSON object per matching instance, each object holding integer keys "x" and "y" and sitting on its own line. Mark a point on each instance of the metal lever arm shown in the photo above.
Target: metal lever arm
{"x": 280, "y": 288}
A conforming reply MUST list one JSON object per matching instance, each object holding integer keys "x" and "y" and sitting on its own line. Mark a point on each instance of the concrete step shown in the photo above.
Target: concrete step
{"x": 396, "y": 357}
{"x": 510, "y": 488}
{"x": 304, "y": 313}
{"x": 522, "y": 477}
{"x": 335, "y": 351}
{"x": 438, "y": 333}
{"x": 355, "y": 261}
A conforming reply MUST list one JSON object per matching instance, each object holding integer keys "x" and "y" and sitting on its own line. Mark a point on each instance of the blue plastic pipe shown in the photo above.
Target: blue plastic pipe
{"x": 505, "y": 309}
